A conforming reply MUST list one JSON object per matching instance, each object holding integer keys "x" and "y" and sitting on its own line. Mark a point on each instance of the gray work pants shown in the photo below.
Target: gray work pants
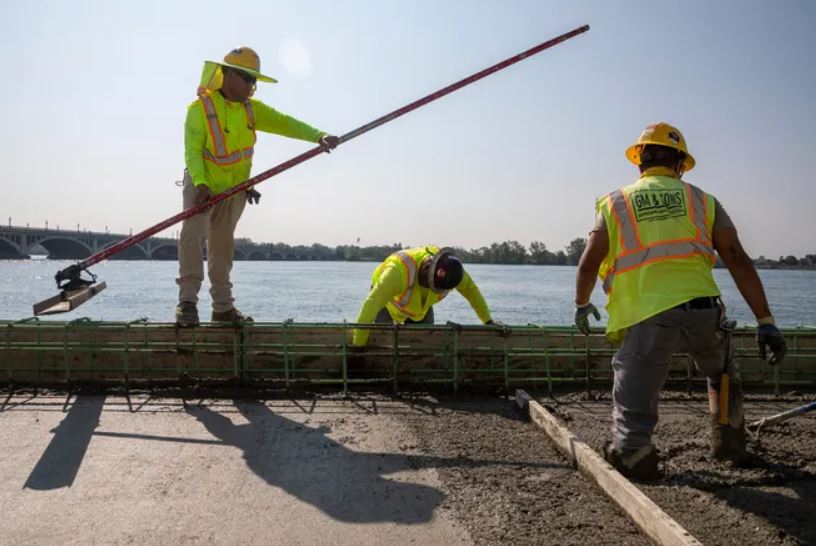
{"x": 642, "y": 365}
{"x": 217, "y": 227}
{"x": 384, "y": 317}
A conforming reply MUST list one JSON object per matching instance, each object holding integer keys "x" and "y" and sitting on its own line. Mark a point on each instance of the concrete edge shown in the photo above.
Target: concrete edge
{"x": 647, "y": 515}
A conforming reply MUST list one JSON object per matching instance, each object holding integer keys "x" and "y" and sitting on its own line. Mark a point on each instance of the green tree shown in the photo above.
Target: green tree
{"x": 574, "y": 250}
{"x": 539, "y": 254}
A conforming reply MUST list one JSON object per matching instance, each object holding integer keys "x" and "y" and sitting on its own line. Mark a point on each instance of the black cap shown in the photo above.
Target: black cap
{"x": 448, "y": 272}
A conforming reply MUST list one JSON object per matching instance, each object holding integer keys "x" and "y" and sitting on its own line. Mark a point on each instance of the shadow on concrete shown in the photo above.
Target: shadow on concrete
{"x": 760, "y": 494}
{"x": 345, "y": 484}
{"x": 60, "y": 462}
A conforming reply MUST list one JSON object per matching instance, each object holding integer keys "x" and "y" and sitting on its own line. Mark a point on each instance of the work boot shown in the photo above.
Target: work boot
{"x": 728, "y": 442}
{"x": 233, "y": 316}
{"x": 186, "y": 314}
{"x": 636, "y": 464}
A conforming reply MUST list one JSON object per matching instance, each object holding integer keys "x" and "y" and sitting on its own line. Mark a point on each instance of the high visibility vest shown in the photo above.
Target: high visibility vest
{"x": 415, "y": 300}
{"x": 660, "y": 249}
{"x": 215, "y": 149}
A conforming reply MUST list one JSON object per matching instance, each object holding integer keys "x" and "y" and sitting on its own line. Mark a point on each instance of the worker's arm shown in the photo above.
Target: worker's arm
{"x": 473, "y": 295}
{"x": 269, "y": 120}
{"x": 594, "y": 253}
{"x": 390, "y": 285}
{"x": 195, "y": 138}
{"x": 596, "y": 249}
{"x": 739, "y": 264}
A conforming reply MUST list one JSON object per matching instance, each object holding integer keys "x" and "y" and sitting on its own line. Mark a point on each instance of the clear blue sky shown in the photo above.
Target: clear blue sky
{"x": 95, "y": 95}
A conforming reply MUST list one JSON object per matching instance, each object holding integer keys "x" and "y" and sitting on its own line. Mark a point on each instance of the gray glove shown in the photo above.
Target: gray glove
{"x": 582, "y": 317}
{"x": 768, "y": 334}
{"x": 253, "y": 196}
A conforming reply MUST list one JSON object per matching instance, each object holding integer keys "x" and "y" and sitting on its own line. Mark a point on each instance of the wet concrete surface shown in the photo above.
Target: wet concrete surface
{"x": 373, "y": 469}
{"x": 771, "y": 501}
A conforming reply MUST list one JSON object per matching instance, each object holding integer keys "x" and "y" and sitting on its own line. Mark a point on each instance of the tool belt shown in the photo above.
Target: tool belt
{"x": 705, "y": 302}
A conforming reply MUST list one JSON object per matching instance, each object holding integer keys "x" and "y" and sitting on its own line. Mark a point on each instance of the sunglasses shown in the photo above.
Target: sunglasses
{"x": 248, "y": 78}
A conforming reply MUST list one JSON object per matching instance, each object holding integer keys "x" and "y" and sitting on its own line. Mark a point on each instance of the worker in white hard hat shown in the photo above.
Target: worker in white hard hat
{"x": 219, "y": 139}
{"x": 653, "y": 246}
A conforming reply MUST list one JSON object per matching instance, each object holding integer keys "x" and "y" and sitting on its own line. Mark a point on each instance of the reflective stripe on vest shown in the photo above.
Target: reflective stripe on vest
{"x": 222, "y": 157}
{"x": 402, "y": 301}
{"x": 636, "y": 255}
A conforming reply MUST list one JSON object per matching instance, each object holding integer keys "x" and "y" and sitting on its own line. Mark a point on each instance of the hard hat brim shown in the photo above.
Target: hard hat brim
{"x": 633, "y": 155}
{"x": 257, "y": 75}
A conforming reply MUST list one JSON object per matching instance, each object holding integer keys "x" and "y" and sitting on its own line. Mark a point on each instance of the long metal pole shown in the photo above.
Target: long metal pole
{"x": 247, "y": 184}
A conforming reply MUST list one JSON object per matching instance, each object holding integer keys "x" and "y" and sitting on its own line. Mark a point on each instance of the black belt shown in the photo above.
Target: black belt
{"x": 705, "y": 302}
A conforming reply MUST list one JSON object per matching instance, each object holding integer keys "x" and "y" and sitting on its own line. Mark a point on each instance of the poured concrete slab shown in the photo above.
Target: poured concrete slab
{"x": 90, "y": 469}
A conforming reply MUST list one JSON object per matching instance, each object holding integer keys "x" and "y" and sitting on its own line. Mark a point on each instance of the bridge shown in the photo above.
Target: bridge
{"x": 60, "y": 244}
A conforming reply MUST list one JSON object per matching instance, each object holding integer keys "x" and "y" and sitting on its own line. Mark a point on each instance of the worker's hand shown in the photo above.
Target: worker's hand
{"x": 329, "y": 143}
{"x": 492, "y": 322}
{"x": 582, "y": 313}
{"x": 253, "y": 196}
{"x": 768, "y": 334}
{"x": 203, "y": 194}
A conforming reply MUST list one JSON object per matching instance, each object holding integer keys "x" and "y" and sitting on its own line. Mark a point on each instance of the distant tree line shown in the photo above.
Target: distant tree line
{"x": 787, "y": 262}
{"x": 507, "y": 252}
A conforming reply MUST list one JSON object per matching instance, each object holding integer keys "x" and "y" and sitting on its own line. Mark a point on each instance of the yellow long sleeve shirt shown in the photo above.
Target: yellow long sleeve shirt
{"x": 392, "y": 282}
{"x": 238, "y": 135}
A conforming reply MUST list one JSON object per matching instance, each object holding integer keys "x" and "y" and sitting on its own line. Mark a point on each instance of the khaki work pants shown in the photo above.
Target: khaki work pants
{"x": 216, "y": 226}
{"x": 641, "y": 367}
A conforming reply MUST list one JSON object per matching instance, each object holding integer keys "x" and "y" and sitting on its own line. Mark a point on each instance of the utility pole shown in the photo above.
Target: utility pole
{"x": 46, "y": 224}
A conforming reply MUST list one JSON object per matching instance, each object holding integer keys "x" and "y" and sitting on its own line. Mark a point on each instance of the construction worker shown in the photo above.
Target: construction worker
{"x": 219, "y": 138}
{"x": 406, "y": 286}
{"x": 654, "y": 247}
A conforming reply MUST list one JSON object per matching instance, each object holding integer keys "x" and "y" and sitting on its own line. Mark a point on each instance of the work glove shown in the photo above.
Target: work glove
{"x": 768, "y": 334}
{"x": 329, "y": 143}
{"x": 582, "y": 313}
{"x": 203, "y": 194}
{"x": 253, "y": 196}
{"x": 492, "y": 322}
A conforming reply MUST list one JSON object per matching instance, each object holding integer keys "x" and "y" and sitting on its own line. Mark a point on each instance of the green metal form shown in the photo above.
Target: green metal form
{"x": 288, "y": 354}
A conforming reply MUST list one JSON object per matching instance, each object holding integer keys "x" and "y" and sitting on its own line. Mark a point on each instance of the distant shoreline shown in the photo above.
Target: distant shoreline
{"x": 375, "y": 260}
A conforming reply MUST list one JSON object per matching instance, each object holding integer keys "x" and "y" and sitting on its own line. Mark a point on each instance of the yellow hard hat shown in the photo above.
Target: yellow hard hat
{"x": 661, "y": 134}
{"x": 246, "y": 60}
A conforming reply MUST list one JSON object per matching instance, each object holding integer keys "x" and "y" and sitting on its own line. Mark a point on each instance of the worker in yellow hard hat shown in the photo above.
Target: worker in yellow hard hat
{"x": 406, "y": 286}
{"x": 653, "y": 246}
{"x": 219, "y": 141}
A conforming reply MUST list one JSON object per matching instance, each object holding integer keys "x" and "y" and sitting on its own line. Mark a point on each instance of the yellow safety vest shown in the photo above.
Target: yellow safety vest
{"x": 415, "y": 300}
{"x": 215, "y": 149}
{"x": 660, "y": 249}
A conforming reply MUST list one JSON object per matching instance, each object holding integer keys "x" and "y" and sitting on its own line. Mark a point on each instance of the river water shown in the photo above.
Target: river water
{"x": 333, "y": 291}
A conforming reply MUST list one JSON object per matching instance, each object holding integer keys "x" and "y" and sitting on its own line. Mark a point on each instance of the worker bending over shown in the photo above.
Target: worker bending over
{"x": 406, "y": 286}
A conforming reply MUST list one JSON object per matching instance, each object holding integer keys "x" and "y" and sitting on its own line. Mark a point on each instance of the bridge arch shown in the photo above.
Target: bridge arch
{"x": 134, "y": 252}
{"x": 9, "y": 250}
{"x": 63, "y": 248}
{"x": 165, "y": 252}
